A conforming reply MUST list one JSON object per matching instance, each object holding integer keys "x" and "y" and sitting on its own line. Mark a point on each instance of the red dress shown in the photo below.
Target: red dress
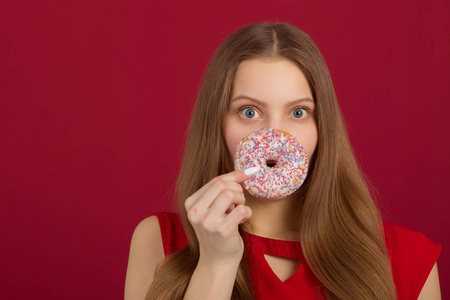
{"x": 412, "y": 256}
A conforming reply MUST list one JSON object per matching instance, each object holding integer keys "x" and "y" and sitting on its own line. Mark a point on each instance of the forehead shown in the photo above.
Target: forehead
{"x": 270, "y": 79}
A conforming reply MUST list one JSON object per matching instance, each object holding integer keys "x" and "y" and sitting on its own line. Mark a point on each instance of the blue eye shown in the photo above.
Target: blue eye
{"x": 249, "y": 113}
{"x": 299, "y": 113}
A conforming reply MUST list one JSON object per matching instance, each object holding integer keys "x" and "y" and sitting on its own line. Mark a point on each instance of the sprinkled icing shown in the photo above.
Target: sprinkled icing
{"x": 286, "y": 176}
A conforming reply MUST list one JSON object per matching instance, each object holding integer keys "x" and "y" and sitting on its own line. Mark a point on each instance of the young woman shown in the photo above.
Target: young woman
{"x": 326, "y": 240}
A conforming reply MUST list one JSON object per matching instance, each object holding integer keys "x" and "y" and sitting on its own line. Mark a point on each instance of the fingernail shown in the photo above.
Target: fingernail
{"x": 251, "y": 171}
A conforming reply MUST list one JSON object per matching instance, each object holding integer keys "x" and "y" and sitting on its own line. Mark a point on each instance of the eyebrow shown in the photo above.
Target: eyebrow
{"x": 262, "y": 103}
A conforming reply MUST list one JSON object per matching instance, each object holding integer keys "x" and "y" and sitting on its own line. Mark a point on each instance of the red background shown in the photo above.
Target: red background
{"x": 96, "y": 97}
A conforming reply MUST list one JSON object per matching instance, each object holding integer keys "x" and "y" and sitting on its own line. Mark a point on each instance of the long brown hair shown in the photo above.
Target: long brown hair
{"x": 340, "y": 227}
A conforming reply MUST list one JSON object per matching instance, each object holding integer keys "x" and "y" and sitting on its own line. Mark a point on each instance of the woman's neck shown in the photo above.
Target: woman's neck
{"x": 273, "y": 218}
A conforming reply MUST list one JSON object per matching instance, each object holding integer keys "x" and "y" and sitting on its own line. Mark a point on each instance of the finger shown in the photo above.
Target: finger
{"x": 240, "y": 175}
{"x": 189, "y": 202}
{"x": 224, "y": 201}
{"x": 200, "y": 208}
{"x": 212, "y": 188}
{"x": 205, "y": 197}
{"x": 232, "y": 206}
{"x": 236, "y": 176}
{"x": 238, "y": 215}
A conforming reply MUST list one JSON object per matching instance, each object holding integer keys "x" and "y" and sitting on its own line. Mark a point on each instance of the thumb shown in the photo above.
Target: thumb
{"x": 240, "y": 175}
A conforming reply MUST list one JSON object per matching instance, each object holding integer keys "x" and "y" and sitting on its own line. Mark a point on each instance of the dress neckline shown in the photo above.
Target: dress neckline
{"x": 290, "y": 249}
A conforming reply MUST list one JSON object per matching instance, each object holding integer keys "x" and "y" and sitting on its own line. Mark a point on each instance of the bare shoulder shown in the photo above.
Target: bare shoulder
{"x": 431, "y": 289}
{"x": 146, "y": 252}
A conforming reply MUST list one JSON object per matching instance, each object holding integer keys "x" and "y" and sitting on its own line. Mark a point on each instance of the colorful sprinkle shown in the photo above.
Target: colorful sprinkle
{"x": 289, "y": 171}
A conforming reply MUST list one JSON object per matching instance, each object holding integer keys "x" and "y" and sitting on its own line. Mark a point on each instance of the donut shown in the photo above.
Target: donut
{"x": 282, "y": 161}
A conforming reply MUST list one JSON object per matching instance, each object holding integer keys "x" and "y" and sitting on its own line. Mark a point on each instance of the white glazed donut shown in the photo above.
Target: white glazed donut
{"x": 282, "y": 161}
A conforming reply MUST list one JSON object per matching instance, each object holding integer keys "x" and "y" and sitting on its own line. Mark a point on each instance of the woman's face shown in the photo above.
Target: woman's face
{"x": 270, "y": 93}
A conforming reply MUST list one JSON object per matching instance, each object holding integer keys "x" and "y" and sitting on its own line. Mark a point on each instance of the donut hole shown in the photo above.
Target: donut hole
{"x": 271, "y": 163}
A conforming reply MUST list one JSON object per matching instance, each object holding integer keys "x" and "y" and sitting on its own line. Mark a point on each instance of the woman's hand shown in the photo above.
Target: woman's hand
{"x": 215, "y": 212}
